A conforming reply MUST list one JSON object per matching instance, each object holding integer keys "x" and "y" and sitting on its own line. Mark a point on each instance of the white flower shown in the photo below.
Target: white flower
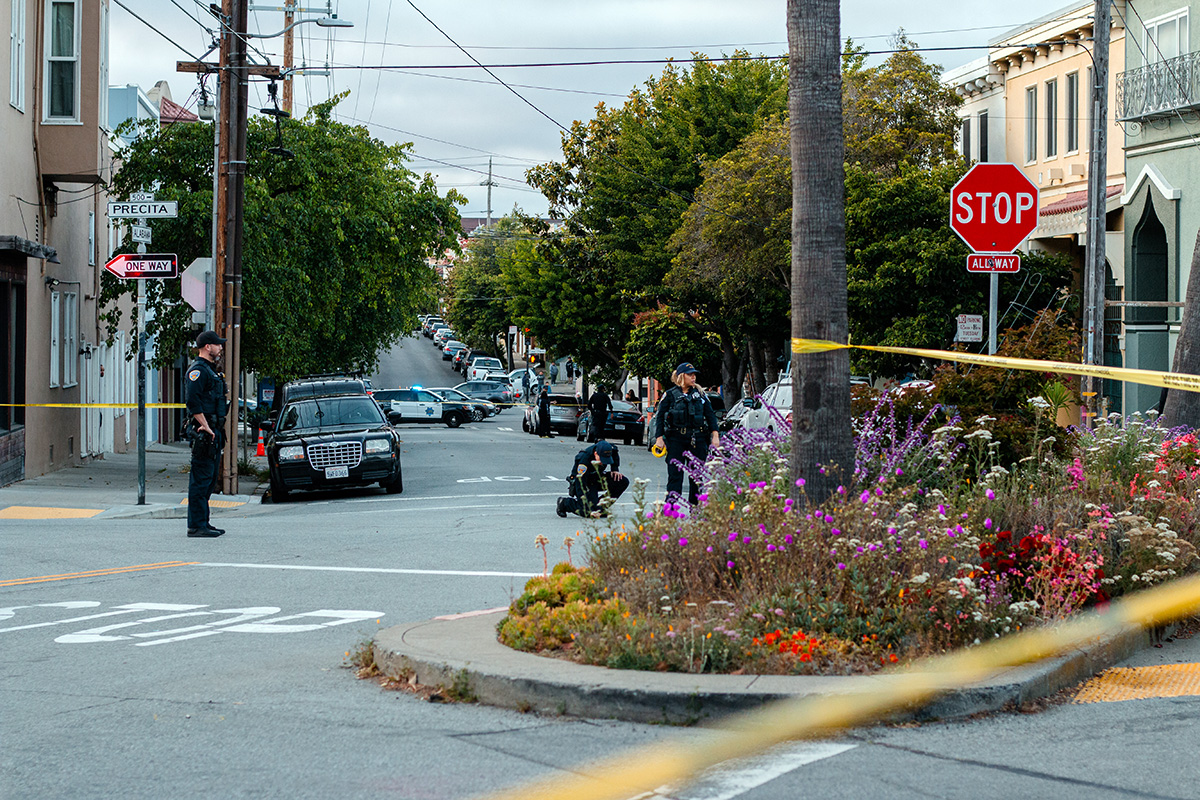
{"x": 985, "y": 419}
{"x": 919, "y": 579}
{"x": 1039, "y": 402}
{"x": 982, "y": 433}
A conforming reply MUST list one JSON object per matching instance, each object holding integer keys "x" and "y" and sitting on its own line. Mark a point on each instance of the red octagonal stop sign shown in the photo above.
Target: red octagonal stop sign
{"x": 993, "y": 208}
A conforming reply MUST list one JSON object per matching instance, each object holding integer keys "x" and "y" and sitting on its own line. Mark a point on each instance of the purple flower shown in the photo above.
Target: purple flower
{"x": 865, "y": 496}
{"x": 891, "y": 530}
{"x": 787, "y": 538}
{"x": 770, "y": 548}
{"x": 682, "y": 542}
{"x": 923, "y": 544}
{"x": 841, "y": 565}
{"x": 664, "y": 537}
{"x": 708, "y": 549}
{"x": 841, "y": 490}
{"x": 728, "y": 565}
{"x": 702, "y": 498}
{"x": 990, "y": 494}
{"x": 746, "y": 539}
{"x": 779, "y": 612}
{"x": 799, "y": 481}
{"x": 733, "y": 536}
{"x": 942, "y": 509}
{"x": 987, "y": 523}
{"x": 899, "y": 472}
{"x": 835, "y": 532}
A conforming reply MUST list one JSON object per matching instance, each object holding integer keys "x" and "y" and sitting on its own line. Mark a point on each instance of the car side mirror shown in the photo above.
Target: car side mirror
{"x": 267, "y": 424}
{"x": 394, "y": 417}
{"x": 757, "y": 403}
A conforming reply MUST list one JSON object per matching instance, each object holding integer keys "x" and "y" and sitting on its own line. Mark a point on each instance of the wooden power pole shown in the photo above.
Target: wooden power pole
{"x": 1093, "y": 271}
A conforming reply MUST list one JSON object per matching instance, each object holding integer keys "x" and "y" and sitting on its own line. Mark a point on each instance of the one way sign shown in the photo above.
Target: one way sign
{"x": 144, "y": 265}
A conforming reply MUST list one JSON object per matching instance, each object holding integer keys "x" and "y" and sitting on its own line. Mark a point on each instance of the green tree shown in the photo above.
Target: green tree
{"x": 662, "y": 339}
{"x": 478, "y": 305}
{"x": 335, "y": 245}
{"x": 897, "y": 112}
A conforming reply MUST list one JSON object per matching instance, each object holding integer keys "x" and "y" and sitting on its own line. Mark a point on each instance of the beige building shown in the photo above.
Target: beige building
{"x": 54, "y": 241}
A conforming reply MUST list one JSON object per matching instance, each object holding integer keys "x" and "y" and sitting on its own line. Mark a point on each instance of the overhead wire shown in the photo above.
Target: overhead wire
{"x": 378, "y": 78}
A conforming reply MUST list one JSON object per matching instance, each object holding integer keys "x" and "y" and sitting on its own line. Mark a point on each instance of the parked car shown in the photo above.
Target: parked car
{"x": 326, "y": 385}
{"x": 564, "y": 414}
{"x": 437, "y": 326}
{"x": 427, "y": 325}
{"x": 493, "y": 391}
{"x": 469, "y": 360}
{"x": 625, "y": 422}
{"x": 442, "y": 336}
{"x": 518, "y": 384}
{"x": 421, "y": 405}
{"x": 773, "y": 405}
{"x": 480, "y": 367}
{"x": 480, "y": 409}
{"x": 328, "y": 441}
{"x": 451, "y": 349}
{"x": 735, "y": 414}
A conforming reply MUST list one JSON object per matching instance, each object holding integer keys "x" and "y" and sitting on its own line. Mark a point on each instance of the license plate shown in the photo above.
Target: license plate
{"x": 618, "y": 427}
{"x": 337, "y": 472}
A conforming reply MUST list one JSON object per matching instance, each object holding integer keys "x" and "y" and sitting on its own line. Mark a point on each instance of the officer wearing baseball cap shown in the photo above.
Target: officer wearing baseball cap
{"x": 588, "y": 480}
{"x": 206, "y": 407}
{"x": 684, "y": 423}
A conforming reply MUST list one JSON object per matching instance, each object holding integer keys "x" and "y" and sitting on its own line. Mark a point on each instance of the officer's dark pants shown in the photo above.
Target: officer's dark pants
{"x": 543, "y": 426}
{"x": 677, "y": 445}
{"x": 205, "y": 459}
{"x": 599, "y": 424}
{"x": 585, "y": 493}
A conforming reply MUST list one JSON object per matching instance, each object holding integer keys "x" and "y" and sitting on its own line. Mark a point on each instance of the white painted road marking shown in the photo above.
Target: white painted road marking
{"x": 735, "y": 778}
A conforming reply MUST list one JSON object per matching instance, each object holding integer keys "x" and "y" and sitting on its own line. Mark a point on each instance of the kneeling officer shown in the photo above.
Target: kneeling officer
{"x": 206, "y": 408}
{"x": 588, "y": 480}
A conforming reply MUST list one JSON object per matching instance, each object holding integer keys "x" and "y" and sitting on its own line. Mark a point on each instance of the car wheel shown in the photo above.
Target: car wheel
{"x": 453, "y": 419}
{"x": 395, "y": 485}
{"x": 279, "y": 493}
{"x": 579, "y": 434}
{"x": 477, "y": 414}
{"x": 525, "y": 425}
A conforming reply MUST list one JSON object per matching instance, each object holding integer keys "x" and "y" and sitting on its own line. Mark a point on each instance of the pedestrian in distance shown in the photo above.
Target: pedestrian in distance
{"x": 570, "y": 368}
{"x": 631, "y": 397}
{"x": 685, "y": 422}
{"x": 543, "y": 406}
{"x": 206, "y": 408}
{"x": 591, "y": 488}
{"x": 599, "y": 404}
{"x": 554, "y": 372}
{"x": 525, "y": 384}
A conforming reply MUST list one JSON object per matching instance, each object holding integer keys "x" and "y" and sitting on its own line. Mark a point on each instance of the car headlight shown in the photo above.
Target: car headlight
{"x": 378, "y": 446}
{"x": 292, "y": 453}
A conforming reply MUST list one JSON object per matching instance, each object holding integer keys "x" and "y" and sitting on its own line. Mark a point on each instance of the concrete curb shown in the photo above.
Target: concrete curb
{"x": 173, "y": 510}
{"x": 462, "y": 652}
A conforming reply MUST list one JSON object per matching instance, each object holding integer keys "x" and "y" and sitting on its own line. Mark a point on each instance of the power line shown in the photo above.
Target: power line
{"x": 156, "y": 30}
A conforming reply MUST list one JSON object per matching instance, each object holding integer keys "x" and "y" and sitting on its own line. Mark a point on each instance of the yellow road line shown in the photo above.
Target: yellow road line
{"x": 40, "y": 512}
{"x": 1140, "y": 683}
{"x": 95, "y": 573}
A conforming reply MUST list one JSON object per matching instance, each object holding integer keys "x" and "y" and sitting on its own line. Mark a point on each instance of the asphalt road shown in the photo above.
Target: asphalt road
{"x": 214, "y": 668}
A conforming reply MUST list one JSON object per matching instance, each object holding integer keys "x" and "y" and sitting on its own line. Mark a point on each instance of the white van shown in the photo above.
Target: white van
{"x": 778, "y": 399}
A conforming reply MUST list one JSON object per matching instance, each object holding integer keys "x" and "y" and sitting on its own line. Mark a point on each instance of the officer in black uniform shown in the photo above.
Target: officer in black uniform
{"x": 543, "y": 415}
{"x": 206, "y": 407}
{"x": 588, "y": 480}
{"x": 600, "y": 404}
{"x": 684, "y": 423}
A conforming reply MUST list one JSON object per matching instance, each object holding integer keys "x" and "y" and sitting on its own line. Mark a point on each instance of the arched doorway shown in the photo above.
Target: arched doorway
{"x": 1147, "y": 342}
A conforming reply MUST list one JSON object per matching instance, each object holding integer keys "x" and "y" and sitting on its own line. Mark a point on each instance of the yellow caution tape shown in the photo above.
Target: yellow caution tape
{"x": 1149, "y": 377}
{"x": 649, "y": 769}
{"x": 90, "y": 405}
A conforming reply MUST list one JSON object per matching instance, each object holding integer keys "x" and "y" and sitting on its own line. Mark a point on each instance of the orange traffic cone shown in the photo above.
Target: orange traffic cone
{"x": 261, "y": 451}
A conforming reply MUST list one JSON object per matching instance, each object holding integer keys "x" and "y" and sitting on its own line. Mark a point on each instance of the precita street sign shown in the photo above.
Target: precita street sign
{"x": 152, "y": 209}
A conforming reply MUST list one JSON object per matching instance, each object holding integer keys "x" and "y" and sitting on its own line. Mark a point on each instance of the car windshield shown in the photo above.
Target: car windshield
{"x": 331, "y": 412}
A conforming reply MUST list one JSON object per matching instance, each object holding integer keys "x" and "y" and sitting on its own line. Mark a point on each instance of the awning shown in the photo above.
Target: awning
{"x": 1067, "y": 216}
{"x": 1076, "y": 201}
{"x": 32, "y": 249}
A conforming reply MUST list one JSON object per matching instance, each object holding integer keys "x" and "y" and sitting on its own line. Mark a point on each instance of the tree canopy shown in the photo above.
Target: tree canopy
{"x": 335, "y": 244}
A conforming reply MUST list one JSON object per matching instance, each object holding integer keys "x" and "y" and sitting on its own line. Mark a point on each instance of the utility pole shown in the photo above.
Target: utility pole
{"x": 1093, "y": 272}
{"x": 489, "y": 183}
{"x": 289, "y": 16}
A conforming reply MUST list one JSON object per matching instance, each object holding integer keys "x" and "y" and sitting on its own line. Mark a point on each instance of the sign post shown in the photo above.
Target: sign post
{"x": 139, "y": 266}
{"x": 993, "y": 208}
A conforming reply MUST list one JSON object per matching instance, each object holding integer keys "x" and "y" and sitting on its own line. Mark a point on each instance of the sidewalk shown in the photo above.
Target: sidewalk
{"x": 107, "y": 488}
{"x": 462, "y": 651}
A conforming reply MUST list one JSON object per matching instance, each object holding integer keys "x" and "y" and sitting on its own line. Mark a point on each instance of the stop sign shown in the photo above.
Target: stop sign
{"x": 993, "y": 208}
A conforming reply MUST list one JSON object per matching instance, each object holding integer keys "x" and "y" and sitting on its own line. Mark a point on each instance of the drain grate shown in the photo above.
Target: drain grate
{"x": 1139, "y": 683}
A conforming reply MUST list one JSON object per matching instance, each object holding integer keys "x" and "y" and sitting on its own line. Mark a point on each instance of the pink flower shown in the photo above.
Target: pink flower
{"x": 728, "y": 565}
{"x": 924, "y": 544}
{"x": 865, "y": 496}
{"x": 682, "y": 542}
{"x": 987, "y": 523}
{"x": 990, "y": 494}
{"x": 841, "y": 565}
{"x": 799, "y": 481}
{"x": 708, "y": 549}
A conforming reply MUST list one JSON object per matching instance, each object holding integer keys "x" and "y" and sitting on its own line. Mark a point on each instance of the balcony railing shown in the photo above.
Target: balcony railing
{"x": 1159, "y": 89}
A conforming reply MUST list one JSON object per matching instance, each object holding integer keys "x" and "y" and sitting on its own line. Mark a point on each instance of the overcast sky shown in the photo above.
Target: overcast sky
{"x": 457, "y": 118}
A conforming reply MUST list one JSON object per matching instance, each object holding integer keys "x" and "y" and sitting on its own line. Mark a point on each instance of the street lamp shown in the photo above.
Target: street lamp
{"x": 324, "y": 22}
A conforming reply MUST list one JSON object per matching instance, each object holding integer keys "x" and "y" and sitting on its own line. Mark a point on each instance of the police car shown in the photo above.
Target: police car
{"x": 421, "y": 405}
{"x": 326, "y": 437}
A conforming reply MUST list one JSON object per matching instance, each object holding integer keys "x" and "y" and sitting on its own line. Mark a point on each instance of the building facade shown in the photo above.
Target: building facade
{"x": 53, "y": 242}
{"x": 1158, "y": 106}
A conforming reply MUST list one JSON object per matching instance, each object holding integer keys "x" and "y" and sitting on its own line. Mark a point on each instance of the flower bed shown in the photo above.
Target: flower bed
{"x": 929, "y": 545}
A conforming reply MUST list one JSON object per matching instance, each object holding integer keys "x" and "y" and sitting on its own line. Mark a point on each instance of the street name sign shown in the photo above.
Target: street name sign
{"x": 140, "y": 233}
{"x": 144, "y": 265}
{"x": 1003, "y": 263}
{"x": 151, "y": 209}
{"x": 994, "y": 207}
{"x": 141, "y": 197}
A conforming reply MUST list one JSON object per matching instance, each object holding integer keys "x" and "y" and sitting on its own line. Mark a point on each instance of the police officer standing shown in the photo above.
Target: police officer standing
{"x": 684, "y": 423}
{"x": 599, "y": 404}
{"x": 206, "y": 407}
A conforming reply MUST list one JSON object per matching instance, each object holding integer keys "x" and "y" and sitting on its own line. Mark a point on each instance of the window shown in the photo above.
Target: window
{"x": 1166, "y": 36}
{"x": 1031, "y": 125}
{"x": 983, "y": 136}
{"x": 70, "y": 339}
{"x": 1072, "y": 115}
{"x": 1051, "y": 118}
{"x": 16, "y": 56}
{"x": 62, "y": 61}
{"x": 55, "y": 332}
{"x": 966, "y": 138}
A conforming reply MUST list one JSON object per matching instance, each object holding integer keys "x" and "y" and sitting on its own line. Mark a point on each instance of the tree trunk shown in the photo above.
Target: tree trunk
{"x": 1183, "y": 408}
{"x": 822, "y": 449}
{"x": 754, "y": 356}
{"x": 731, "y": 371}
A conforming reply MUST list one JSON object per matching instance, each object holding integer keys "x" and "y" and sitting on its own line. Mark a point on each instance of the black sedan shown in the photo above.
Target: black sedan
{"x": 625, "y": 422}
{"x": 332, "y": 442}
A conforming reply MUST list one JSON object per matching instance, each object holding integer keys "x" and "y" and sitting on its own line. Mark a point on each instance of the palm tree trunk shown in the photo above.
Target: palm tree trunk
{"x": 1183, "y": 408}
{"x": 822, "y": 449}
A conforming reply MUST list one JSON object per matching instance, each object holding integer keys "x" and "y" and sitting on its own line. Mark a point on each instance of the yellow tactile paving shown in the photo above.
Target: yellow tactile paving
{"x": 39, "y": 512}
{"x": 219, "y": 503}
{"x": 1139, "y": 683}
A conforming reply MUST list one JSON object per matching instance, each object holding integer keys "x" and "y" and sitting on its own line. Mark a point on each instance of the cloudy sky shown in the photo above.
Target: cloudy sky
{"x": 458, "y": 119}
